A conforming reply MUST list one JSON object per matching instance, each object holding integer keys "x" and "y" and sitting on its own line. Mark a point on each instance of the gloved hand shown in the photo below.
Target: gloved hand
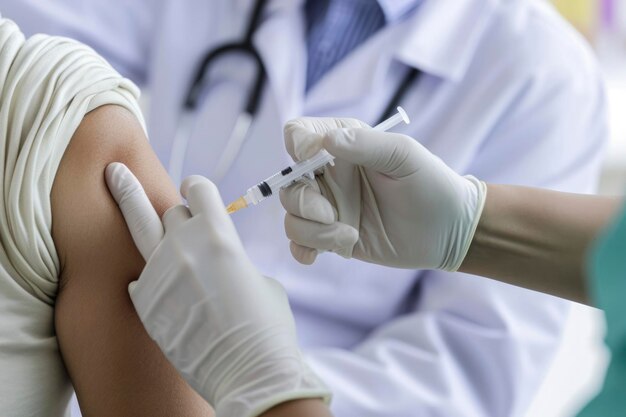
{"x": 387, "y": 200}
{"x": 225, "y": 327}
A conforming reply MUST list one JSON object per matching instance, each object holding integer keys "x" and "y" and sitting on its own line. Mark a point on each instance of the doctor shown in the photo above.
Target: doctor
{"x": 489, "y": 86}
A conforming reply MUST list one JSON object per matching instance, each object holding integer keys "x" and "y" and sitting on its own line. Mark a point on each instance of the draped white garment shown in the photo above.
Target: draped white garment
{"x": 47, "y": 85}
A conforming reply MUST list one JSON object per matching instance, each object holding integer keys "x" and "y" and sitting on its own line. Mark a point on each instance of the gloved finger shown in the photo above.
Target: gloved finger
{"x": 301, "y": 143}
{"x": 278, "y": 291}
{"x": 302, "y": 200}
{"x": 203, "y": 197}
{"x": 303, "y": 136}
{"x": 175, "y": 216}
{"x": 142, "y": 220}
{"x": 331, "y": 237}
{"x": 392, "y": 154}
{"x": 302, "y": 254}
{"x": 131, "y": 287}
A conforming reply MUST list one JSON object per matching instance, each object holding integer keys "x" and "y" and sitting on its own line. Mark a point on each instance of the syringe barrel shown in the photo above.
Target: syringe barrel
{"x": 295, "y": 172}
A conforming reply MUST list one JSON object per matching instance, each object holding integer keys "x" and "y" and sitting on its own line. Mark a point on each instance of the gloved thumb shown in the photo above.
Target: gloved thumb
{"x": 391, "y": 154}
{"x": 304, "y": 136}
{"x": 204, "y": 199}
{"x": 300, "y": 142}
{"x": 142, "y": 220}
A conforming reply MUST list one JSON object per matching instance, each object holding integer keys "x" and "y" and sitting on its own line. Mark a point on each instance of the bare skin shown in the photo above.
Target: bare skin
{"x": 116, "y": 369}
{"x": 538, "y": 239}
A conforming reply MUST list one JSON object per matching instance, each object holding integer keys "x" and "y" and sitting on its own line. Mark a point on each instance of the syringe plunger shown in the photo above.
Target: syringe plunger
{"x": 393, "y": 121}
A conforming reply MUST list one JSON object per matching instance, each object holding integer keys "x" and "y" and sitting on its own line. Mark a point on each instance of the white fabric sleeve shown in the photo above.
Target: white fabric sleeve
{"x": 48, "y": 84}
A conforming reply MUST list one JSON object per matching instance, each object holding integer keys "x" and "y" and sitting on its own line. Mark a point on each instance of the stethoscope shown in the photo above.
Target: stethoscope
{"x": 238, "y": 135}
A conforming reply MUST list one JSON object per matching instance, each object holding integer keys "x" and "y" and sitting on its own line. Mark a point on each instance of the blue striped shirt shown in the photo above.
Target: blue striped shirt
{"x": 336, "y": 27}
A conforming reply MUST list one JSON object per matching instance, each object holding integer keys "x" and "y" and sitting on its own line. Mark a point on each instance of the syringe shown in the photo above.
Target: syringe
{"x": 301, "y": 169}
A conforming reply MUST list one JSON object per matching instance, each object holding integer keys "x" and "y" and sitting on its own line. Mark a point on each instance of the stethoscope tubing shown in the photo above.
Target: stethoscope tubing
{"x": 246, "y": 118}
{"x": 192, "y": 101}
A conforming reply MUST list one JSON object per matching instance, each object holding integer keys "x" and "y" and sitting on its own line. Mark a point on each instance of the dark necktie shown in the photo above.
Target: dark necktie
{"x": 334, "y": 29}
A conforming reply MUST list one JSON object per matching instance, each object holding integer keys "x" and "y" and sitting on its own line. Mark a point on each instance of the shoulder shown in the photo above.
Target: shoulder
{"x": 528, "y": 41}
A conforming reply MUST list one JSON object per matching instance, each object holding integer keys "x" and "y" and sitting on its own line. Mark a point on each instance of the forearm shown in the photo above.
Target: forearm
{"x": 301, "y": 408}
{"x": 538, "y": 239}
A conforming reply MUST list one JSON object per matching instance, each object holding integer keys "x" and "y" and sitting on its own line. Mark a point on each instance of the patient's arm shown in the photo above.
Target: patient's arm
{"x": 116, "y": 369}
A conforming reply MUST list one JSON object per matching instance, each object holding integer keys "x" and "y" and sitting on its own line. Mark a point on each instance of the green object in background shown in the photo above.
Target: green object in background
{"x": 608, "y": 287}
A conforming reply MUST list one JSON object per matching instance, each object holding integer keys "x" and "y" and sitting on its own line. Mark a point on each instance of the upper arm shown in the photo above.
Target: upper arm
{"x": 115, "y": 367}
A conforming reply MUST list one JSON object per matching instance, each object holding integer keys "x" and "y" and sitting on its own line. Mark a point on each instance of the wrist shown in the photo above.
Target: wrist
{"x": 300, "y": 408}
{"x": 265, "y": 386}
{"x": 466, "y": 224}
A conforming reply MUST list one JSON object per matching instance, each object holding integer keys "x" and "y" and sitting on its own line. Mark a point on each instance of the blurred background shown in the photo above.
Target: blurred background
{"x": 603, "y": 23}
{"x": 576, "y": 374}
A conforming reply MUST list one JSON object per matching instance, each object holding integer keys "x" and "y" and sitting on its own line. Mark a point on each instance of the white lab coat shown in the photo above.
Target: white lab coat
{"x": 509, "y": 94}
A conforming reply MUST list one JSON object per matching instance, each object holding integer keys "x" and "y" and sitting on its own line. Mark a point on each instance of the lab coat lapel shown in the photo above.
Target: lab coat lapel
{"x": 427, "y": 40}
{"x": 280, "y": 43}
{"x": 439, "y": 39}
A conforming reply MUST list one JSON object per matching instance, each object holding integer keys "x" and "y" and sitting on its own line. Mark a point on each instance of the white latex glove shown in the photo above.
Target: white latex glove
{"x": 387, "y": 200}
{"x": 225, "y": 327}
